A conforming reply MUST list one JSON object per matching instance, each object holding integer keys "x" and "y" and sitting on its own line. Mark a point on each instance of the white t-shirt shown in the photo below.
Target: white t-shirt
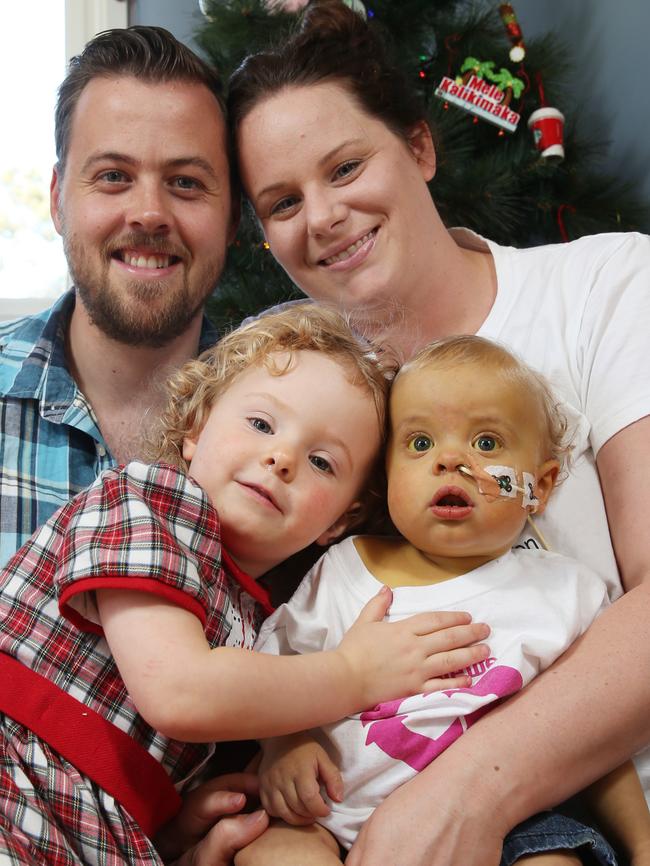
{"x": 536, "y": 603}
{"x": 579, "y": 314}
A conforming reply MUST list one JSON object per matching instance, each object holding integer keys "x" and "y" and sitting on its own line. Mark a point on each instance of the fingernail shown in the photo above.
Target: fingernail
{"x": 384, "y": 590}
{"x": 254, "y": 817}
{"x": 236, "y": 801}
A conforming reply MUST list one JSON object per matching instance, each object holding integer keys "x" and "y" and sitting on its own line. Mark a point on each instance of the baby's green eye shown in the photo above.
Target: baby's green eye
{"x": 420, "y": 443}
{"x": 485, "y": 443}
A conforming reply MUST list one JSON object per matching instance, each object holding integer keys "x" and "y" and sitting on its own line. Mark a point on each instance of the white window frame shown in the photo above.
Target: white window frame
{"x": 85, "y": 18}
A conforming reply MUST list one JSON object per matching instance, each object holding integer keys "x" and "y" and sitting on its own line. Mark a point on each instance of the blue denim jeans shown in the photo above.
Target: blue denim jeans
{"x": 552, "y": 831}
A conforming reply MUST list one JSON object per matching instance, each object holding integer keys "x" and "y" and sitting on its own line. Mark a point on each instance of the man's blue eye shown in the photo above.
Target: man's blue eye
{"x": 420, "y": 443}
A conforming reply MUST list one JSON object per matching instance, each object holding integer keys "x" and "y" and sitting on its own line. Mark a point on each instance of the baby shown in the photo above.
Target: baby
{"x": 475, "y": 446}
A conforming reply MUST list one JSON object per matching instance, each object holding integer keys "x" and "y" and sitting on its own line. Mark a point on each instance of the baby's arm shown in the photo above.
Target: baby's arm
{"x": 191, "y": 692}
{"x": 291, "y": 773}
{"x": 620, "y": 807}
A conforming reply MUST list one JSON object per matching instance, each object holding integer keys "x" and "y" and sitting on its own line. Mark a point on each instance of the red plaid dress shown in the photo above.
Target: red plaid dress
{"x": 83, "y": 778}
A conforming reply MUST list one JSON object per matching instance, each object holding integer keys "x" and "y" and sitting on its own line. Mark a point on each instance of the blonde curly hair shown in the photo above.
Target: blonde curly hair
{"x": 194, "y": 388}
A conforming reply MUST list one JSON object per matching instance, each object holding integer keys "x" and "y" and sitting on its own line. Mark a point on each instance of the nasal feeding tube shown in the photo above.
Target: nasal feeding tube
{"x": 495, "y": 482}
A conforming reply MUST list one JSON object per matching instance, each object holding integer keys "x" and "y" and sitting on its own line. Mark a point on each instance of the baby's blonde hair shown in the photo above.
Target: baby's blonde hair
{"x": 192, "y": 391}
{"x": 455, "y": 351}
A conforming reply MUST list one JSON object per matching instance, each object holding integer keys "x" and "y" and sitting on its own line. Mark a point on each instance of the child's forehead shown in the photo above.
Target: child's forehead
{"x": 469, "y": 387}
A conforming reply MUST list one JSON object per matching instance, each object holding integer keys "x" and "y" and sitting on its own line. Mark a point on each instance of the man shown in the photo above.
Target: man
{"x": 142, "y": 198}
{"x": 141, "y": 195}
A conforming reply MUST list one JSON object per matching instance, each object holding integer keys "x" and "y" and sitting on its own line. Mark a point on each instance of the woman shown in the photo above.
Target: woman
{"x": 335, "y": 157}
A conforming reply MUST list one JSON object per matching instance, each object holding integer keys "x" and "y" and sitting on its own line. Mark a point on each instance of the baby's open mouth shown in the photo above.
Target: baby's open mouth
{"x": 451, "y": 503}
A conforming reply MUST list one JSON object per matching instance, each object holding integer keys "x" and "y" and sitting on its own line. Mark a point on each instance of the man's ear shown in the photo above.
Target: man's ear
{"x": 420, "y": 143}
{"x": 55, "y": 200}
{"x": 546, "y": 477}
{"x": 336, "y": 530}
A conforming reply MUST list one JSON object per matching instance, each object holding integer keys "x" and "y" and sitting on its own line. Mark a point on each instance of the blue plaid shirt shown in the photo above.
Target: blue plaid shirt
{"x": 51, "y": 446}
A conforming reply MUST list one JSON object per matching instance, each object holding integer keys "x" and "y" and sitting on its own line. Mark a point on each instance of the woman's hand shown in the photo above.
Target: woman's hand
{"x": 420, "y": 824}
{"x": 201, "y": 834}
{"x": 291, "y": 774}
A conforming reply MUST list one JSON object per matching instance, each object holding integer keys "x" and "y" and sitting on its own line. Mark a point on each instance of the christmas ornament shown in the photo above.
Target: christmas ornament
{"x": 489, "y": 101}
{"x": 297, "y": 5}
{"x": 547, "y": 125}
{"x": 285, "y": 5}
{"x": 356, "y": 6}
{"x": 518, "y": 50}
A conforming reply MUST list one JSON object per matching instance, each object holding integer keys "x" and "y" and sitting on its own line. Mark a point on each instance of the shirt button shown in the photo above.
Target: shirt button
{"x": 101, "y": 451}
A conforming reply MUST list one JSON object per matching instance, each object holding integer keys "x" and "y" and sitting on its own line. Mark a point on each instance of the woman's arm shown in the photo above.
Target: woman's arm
{"x": 584, "y": 716}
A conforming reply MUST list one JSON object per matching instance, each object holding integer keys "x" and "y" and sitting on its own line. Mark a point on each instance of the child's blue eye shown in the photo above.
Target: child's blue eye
{"x": 420, "y": 443}
{"x": 320, "y": 463}
{"x": 261, "y": 425}
{"x": 485, "y": 443}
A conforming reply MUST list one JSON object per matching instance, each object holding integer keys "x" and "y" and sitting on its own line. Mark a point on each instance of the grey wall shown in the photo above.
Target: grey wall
{"x": 608, "y": 44}
{"x": 181, "y": 17}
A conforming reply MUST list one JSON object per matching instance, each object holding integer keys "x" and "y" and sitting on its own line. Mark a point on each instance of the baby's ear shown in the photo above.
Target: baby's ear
{"x": 546, "y": 477}
{"x": 351, "y": 517}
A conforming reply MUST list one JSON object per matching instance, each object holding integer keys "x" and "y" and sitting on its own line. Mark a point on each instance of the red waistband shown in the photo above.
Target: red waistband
{"x": 96, "y": 747}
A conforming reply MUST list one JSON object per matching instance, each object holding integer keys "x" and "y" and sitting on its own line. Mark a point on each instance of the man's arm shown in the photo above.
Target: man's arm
{"x": 584, "y": 716}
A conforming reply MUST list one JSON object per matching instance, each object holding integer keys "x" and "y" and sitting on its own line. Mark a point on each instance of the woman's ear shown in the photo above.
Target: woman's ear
{"x": 336, "y": 530}
{"x": 420, "y": 143}
{"x": 546, "y": 478}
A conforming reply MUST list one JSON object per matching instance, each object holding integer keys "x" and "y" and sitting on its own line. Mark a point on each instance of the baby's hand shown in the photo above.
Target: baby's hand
{"x": 409, "y": 657}
{"x": 291, "y": 773}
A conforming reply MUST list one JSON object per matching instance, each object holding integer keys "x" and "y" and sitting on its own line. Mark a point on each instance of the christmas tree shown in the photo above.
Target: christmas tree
{"x": 491, "y": 98}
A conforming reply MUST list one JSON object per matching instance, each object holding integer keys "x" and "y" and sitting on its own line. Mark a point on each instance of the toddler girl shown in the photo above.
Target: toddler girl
{"x": 125, "y": 619}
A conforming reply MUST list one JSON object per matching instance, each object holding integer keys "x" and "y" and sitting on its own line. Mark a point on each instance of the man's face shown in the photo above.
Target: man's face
{"x": 144, "y": 205}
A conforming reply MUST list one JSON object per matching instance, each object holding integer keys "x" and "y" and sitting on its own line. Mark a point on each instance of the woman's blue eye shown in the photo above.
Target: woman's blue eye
{"x": 347, "y": 168}
{"x": 261, "y": 425}
{"x": 284, "y": 204}
{"x": 420, "y": 443}
{"x": 320, "y": 463}
{"x": 485, "y": 443}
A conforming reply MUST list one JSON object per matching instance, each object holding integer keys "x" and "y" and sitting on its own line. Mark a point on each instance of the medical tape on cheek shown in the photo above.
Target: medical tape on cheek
{"x": 529, "y": 498}
{"x": 497, "y": 482}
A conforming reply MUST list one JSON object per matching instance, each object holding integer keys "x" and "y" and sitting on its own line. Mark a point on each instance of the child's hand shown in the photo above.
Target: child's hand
{"x": 291, "y": 774}
{"x": 409, "y": 657}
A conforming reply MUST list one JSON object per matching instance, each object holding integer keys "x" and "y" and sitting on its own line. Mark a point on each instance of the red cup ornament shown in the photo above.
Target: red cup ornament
{"x": 547, "y": 125}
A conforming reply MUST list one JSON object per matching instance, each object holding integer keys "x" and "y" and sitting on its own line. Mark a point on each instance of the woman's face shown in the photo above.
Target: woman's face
{"x": 342, "y": 200}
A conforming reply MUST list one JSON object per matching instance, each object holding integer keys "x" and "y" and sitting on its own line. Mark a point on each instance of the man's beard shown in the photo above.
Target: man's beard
{"x": 135, "y": 315}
